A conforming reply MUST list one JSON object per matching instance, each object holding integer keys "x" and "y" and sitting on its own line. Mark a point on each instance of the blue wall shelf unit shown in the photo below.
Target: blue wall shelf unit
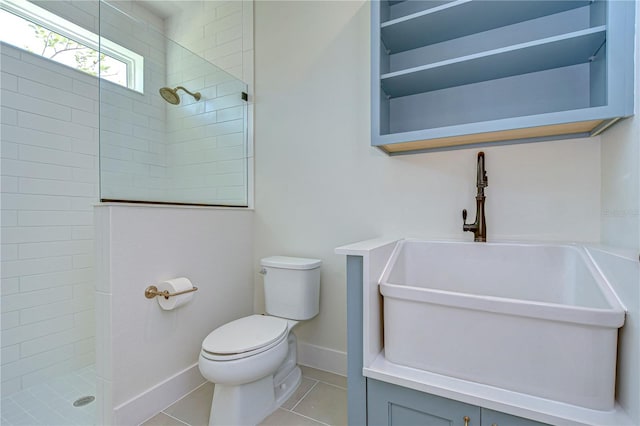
{"x": 466, "y": 72}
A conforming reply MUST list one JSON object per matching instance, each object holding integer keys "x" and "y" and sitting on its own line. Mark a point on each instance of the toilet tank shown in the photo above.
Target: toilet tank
{"x": 291, "y": 286}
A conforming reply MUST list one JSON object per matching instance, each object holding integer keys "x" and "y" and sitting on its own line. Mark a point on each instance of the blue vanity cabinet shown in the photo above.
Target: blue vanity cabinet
{"x": 392, "y": 405}
{"x": 468, "y": 72}
{"x": 495, "y": 418}
{"x": 356, "y": 382}
{"x": 388, "y": 404}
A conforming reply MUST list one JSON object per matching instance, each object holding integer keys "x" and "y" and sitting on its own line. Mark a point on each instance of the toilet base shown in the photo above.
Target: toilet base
{"x": 288, "y": 386}
{"x": 249, "y": 404}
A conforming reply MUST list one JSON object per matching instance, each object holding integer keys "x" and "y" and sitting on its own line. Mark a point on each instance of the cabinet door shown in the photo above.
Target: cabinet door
{"x": 495, "y": 418}
{"x": 388, "y": 404}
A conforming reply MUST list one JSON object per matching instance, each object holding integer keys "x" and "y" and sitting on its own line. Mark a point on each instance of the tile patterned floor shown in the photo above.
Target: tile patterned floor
{"x": 51, "y": 403}
{"x": 321, "y": 399}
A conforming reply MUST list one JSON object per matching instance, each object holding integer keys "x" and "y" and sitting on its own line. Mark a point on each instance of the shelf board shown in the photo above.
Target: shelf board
{"x": 578, "y": 128}
{"x": 552, "y": 52}
{"x": 464, "y": 17}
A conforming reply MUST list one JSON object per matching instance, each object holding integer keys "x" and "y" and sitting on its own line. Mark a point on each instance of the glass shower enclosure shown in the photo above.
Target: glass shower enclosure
{"x": 176, "y": 132}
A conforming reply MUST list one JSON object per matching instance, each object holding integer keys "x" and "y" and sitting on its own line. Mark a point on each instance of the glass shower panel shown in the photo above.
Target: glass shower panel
{"x": 178, "y": 133}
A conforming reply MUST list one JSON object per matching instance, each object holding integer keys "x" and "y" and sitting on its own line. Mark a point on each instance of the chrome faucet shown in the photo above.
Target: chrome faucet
{"x": 479, "y": 227}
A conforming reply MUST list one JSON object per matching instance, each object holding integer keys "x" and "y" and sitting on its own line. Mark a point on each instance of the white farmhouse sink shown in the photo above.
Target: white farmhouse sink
{"x": 537, "y": 319}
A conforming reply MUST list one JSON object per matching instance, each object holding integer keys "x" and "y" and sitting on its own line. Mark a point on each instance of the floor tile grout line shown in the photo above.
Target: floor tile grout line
{"x": 187, "y": 395}
{"x": 332, "y": 384}
{"x": 27, "y": 413}
{"x": 174, "y": 418}
{"x": 17, "y": 402}
{"x": 310, "y": 418}
{"x": 175, "y": 402}
{"x": 325, "y": 382}
{"x": 304, "y": 396}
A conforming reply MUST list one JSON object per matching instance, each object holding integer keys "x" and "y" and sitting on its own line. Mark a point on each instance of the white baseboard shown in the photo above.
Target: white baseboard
{"x": 155, "y": 399}
{"x": 322, "y": 358}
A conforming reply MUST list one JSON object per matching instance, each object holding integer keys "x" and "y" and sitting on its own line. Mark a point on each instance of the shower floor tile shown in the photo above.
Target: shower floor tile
{"x": 51, "y": 403}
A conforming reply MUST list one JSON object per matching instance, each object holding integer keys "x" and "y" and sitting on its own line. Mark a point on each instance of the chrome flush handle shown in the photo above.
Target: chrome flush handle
{"x": 263, "y": 271}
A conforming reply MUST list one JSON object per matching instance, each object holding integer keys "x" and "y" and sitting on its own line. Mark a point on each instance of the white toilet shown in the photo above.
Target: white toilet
{"x": 253, "y": 360}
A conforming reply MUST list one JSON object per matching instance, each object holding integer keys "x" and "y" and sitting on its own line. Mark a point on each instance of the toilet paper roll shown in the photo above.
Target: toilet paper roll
{"x": 173, "y": 286}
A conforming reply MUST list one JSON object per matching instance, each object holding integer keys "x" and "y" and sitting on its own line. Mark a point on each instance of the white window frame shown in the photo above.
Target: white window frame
{"x": 53, "y": 22}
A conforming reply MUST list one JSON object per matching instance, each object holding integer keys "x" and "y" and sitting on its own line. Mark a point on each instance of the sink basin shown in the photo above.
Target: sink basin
{"x": 537, "y": 319}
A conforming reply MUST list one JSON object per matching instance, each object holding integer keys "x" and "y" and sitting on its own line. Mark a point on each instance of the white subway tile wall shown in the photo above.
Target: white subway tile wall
{"x": 132, "y": 148}
{"x": 49, "y": 186}
{"x": 206, "y": 144}
{"x": 222, "y": 33}
{"x": 49, "y": 174}
{"x": 132, "y": 124}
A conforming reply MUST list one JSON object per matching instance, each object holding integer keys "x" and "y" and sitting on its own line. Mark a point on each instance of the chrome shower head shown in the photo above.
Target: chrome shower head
{"x": 171, "y": 95}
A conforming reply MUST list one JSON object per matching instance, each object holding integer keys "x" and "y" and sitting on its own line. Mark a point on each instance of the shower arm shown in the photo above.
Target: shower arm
{"x": 195, "y": 95}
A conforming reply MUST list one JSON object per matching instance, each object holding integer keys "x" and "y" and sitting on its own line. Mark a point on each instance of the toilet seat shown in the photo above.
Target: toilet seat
{"x": 244, "y": 337}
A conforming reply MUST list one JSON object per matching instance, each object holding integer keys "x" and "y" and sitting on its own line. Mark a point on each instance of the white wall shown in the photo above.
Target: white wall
{"x": 49, "y": 185}
{"x": 621, "y": 174}
{"x": 320, "y": 185}
{"x": 621, "y": 185}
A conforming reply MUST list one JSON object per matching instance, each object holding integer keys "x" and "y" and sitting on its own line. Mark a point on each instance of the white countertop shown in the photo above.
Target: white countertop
{"x": 494, "y": 398}
{"x": 361, "y": 248}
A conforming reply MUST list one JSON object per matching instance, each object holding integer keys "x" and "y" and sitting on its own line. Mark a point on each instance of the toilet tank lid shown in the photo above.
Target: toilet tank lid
{"x": 290, "y": 262}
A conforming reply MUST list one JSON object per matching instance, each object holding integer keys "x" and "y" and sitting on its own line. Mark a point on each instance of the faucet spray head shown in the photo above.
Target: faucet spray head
{"x": 481, "y": 180}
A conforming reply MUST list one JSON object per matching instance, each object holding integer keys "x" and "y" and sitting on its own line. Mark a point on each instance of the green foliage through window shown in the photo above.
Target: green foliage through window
{"x": 53, "y": 44}
{"x": 28, "y": 34}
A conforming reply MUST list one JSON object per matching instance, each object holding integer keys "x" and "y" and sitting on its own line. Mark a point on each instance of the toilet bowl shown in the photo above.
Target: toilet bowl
{"x": 246, "y": 361}
{"x": 253, "y": 360}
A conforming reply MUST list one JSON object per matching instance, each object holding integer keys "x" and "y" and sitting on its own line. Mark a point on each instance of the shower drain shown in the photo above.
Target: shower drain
{"x": 84, "y": 401}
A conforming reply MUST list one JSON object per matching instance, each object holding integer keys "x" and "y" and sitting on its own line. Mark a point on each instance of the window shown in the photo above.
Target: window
{"x": 39, "y": 31}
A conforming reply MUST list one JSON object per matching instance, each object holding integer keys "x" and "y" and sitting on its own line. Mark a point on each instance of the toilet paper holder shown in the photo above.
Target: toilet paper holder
{"x": 152, "y": 291}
